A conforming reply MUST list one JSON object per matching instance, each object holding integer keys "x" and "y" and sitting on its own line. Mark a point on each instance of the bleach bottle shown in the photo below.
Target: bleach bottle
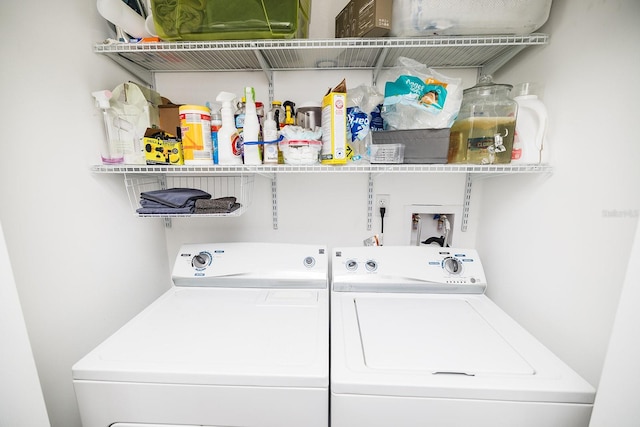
{"x": 529, "y": 144}
{"x": 251, "y": 131}
{"x": 229, "y": 149}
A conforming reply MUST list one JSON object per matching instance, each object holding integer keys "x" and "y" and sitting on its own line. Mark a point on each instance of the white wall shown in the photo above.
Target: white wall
{"x": 557, "y": 247}
{"x": 617, "y": 400}
{"x": 21, "y": 400}
{"x": 83, "y": 264}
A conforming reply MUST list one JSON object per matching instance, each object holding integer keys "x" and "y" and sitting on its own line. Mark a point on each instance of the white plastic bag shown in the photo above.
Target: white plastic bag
{"x": 417, "y": 97}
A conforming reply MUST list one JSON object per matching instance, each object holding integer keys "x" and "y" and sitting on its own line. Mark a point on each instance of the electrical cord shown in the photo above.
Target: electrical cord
{"x": 383, "y": 210}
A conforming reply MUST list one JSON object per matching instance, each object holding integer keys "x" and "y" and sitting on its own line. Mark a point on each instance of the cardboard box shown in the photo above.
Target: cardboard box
{"x": 334, "y": 129}
{"x": 421, "y": 146}
{"x": 364, "y": 18}
{"x": 160, "y": 149}
{"x": 169, "y": 116}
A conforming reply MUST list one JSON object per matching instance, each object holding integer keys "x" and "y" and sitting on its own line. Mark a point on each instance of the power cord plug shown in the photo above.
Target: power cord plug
{"x": 383, "y": 210}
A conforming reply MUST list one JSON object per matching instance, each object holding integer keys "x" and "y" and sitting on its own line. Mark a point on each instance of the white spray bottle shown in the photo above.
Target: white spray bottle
{"x": 229, "y": 152}
{"x": 251, "y": 130}
{"x": 110, "y": 151}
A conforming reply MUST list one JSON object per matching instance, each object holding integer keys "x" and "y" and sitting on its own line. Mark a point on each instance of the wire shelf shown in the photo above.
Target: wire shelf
{"x": 217, "y": 170}
{"x": 238, "y": 186}
{"x": 303, "y": 54}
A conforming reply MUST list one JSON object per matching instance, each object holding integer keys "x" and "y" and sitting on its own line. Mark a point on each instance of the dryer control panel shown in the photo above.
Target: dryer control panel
{"x": 427, "y": 269}
{"x": 272, "y": 265}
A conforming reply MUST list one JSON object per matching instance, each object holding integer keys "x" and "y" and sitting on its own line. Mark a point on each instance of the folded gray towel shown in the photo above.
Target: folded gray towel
{"x": 175, "y": 197}
{"x": 202, "y": 211}
{"x": 223, "y": 203}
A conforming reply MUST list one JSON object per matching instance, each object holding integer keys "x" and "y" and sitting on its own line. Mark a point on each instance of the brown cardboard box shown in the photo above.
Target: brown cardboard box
{"x": 169, "y": 116}
{"x": 364, "y": 18}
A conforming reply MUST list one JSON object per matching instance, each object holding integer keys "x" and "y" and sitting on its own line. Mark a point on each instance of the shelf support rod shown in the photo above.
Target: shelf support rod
{"x": 143, "y": 74}
{"x": 495, "y": 64}
{"x": 466, "y": 204}
{"x": 379, "y": 63}
{"x": 274, "y": 200}
{"x": 267, "y": 71}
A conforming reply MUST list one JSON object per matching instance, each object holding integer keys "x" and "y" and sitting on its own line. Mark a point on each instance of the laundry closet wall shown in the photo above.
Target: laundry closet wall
{"x": 84, "y": 265}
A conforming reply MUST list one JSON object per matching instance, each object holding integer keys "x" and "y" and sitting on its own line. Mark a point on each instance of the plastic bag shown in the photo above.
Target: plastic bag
{"x": 362, "y": 101}
{"x": 420, "y": 98}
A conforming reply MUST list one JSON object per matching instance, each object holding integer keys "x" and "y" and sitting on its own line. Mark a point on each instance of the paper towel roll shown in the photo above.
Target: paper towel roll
{"x": 121, "y": 15}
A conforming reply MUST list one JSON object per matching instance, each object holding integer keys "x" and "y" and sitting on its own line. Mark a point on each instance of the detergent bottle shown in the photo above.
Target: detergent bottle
{"x": 251, "y": 130}
{"x": 531, "y": 125}
{"x": 229, "y": 150}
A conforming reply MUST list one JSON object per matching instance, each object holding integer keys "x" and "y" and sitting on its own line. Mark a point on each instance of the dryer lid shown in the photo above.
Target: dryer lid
{"x": 218, "y": 336}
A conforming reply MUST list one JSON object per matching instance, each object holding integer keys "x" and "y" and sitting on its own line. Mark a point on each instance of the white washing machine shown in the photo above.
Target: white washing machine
{"x": 415, "y": 342}
{"x": 241, "y": 339}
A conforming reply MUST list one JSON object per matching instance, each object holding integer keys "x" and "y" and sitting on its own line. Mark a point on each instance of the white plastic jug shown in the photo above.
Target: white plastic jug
{"x": 529, "y": 145}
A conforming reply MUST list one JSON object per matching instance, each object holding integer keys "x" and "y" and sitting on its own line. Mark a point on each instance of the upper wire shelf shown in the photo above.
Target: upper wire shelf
{"x": 489, "y": 52}
{"x": 351, "y": 168}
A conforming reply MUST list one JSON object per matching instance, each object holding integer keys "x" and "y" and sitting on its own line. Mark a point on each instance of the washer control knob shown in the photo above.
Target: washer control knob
{"x": 309, "y": 262}
{"x": 201, "y": 260}
{"x": 351, "y": 265}
{"x": 371, "y": 265}
{"x": 452, "y": 265}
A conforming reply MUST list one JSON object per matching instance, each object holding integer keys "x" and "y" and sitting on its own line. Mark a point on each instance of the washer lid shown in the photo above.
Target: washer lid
{"x": 442, "y": 346}
{"x": 445, "y": 336}
{"x": 220, "y": 336}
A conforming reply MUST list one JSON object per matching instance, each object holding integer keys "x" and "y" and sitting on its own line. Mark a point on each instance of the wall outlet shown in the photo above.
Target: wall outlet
{"x": 382, "y": 201}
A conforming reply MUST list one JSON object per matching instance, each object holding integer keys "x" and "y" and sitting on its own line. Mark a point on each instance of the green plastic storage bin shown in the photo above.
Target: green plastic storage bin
{"x": 231, "y": 19}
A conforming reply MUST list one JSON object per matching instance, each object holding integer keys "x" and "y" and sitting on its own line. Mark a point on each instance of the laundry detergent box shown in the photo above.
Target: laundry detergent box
{"x": 161, "y": 148}
{"x": 334, "y": 126}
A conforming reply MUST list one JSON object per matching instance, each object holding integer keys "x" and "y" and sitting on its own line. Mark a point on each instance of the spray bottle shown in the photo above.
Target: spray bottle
{"x": 229, "y": 152}
{"x": 110, "y": 151}
{"x": 289, "y": 113}
{"x": 251, "y": 130}
{"x": 270, "y": 137}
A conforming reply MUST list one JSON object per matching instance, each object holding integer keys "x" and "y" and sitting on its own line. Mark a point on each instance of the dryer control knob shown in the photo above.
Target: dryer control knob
{"x": 452, "y": 265}
{"x": 201, "y": 260}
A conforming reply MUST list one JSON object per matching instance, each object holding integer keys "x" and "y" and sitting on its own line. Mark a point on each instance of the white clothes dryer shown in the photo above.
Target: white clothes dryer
{"x": 241, "y": 339}
{"x": 415, "y": 342}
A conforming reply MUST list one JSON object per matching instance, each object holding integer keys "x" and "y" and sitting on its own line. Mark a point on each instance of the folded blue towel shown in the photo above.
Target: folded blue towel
{"x": 159, "y": 209}
{"x": 175, "y": 197}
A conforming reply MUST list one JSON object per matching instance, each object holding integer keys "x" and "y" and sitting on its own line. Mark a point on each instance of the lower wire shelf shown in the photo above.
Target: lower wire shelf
{"x": 238, "y": 186}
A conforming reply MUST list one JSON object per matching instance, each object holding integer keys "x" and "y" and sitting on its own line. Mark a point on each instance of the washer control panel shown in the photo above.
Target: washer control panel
{"x": 407, "y": 268}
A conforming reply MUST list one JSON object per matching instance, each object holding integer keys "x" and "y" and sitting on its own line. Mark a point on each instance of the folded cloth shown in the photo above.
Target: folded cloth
{"x": 232, "y": 208}
{"x": 224, "y": 203}
{"x": 189, "y": 208}
{"x": 175, "y": 197}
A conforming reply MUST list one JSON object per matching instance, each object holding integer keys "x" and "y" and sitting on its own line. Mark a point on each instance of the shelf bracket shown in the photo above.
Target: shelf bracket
{"x": 141, "y": 73}
{"x": 370, "y": 203}
{"x": 267, "y": 71}
{"x": 274, "y": 201}
{"x": 162, "y": 180}
{"x": 466, "y": 204}
{"x": 495, "y": 64}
